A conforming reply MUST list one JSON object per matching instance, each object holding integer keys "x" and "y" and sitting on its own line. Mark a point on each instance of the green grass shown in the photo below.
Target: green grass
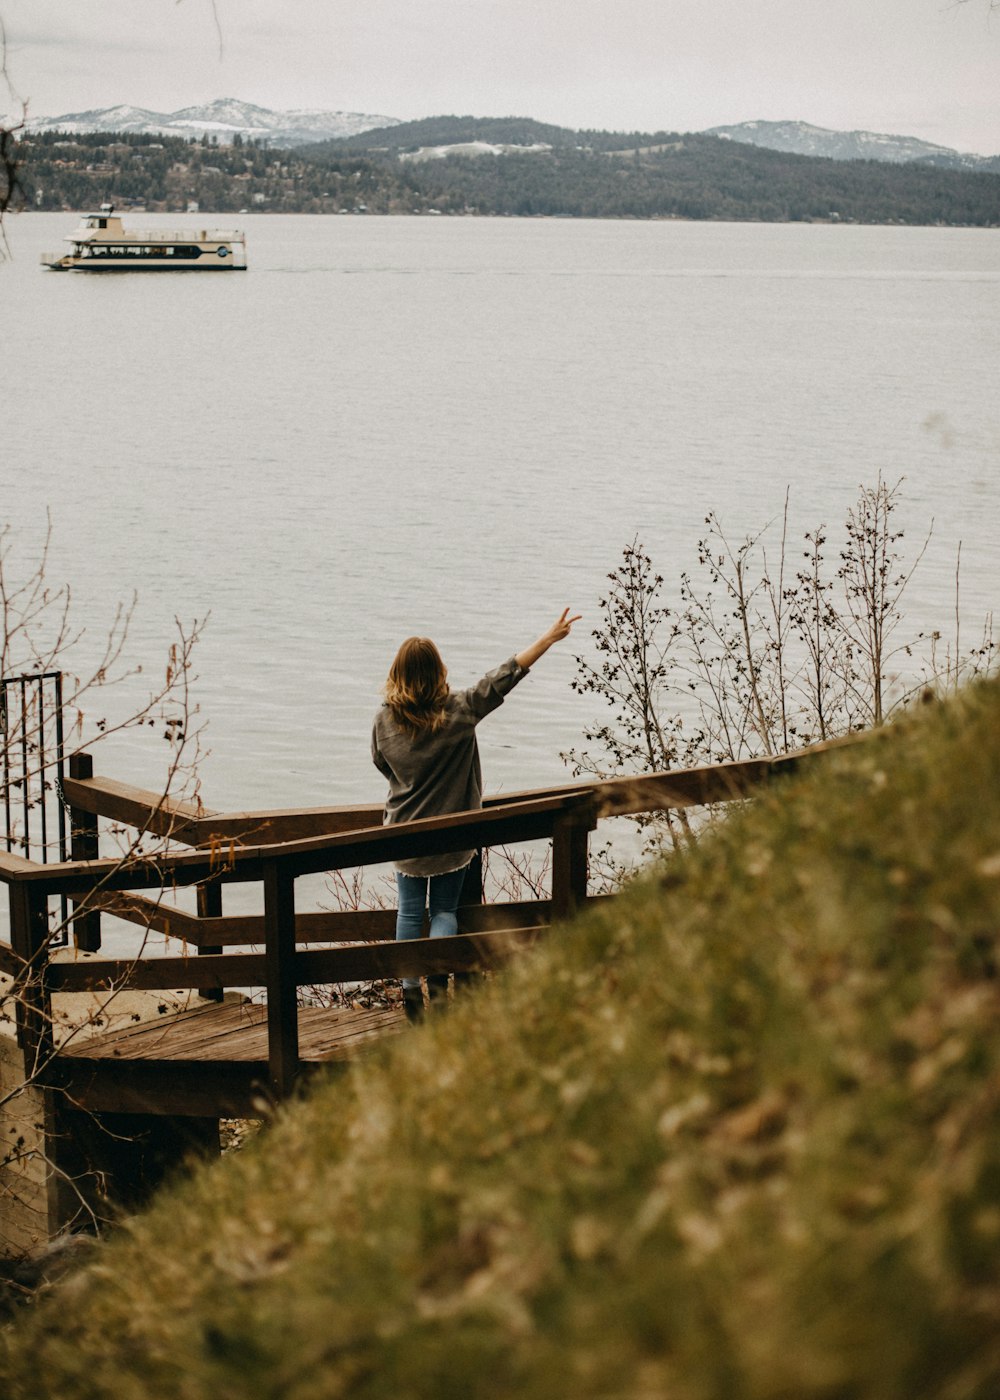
{"x": 735, "y": 1136}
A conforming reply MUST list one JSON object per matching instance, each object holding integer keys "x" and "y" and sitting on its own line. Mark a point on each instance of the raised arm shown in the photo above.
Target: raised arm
{"x": 560, "y": 628}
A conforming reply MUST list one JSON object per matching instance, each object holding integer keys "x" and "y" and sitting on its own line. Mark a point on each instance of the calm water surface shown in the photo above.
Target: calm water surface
{"x": 452, "y": 427}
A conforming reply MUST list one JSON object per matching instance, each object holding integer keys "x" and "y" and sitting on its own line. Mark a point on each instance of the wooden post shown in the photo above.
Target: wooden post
{"x": 210, "y": 907}
{"x": 84, "y": 846}
{"x": 282, "y": 1008}
{"x": 569, "y": 860}
{"x": 29, "y": 936}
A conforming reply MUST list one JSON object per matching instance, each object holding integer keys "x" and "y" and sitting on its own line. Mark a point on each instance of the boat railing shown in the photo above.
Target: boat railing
{"x": 179, "y": 235}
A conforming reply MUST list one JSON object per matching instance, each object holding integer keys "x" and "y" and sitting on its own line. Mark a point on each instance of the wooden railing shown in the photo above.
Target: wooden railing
{"x": 277, "y": 848}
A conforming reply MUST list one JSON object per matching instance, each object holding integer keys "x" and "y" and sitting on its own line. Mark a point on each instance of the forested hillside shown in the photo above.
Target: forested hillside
{"x": 579, "y": 175}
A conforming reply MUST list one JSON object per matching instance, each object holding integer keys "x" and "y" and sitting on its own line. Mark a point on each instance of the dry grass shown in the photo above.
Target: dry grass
{"x": 735, "y": 1138}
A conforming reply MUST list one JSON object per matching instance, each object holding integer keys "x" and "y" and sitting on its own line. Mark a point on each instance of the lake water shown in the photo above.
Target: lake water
{"x": 452, "y": 427}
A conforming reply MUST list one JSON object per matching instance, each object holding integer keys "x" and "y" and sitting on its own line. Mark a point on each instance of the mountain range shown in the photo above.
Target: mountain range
{"x": 803, "y": 139}
{"x": 224, "y": 118}
{"x": 227, "y": 118}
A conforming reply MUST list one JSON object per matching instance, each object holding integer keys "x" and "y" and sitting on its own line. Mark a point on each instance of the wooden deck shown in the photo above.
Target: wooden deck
{"x": 210, "y": 1060}
{"x": 249, "y": 1052}
{"x": 125, "y": 1102}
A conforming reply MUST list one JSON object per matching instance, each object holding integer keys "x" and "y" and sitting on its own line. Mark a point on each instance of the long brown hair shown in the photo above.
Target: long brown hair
{"x": 416, "y": 690}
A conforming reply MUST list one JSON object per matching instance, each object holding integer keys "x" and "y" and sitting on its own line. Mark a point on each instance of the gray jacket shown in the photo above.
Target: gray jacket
{"x": 439, "y": 772}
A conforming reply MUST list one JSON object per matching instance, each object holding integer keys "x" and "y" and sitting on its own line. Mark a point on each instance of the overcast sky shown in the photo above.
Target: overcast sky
{"x": 928, "y": 68}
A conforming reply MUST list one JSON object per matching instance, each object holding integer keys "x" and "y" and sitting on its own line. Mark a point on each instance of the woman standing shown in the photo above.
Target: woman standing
{"x": 424, "y": 742}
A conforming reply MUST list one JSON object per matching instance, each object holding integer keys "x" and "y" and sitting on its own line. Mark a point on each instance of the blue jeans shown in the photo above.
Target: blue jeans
{"x": 445, "y": 892}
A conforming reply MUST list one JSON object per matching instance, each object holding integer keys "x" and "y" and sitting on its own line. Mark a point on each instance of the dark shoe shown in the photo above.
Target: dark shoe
{"x": 413, "y": 1004}
{"x": 437, "y": 990}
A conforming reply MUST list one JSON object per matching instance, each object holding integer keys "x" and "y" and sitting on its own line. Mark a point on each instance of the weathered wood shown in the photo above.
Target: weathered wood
{"x": 235, "y": 1030}
{"x": 160, "y": 974}
{"x": 569, "y": 861}
{"x": 121, "y": 802}
{"x": 12, "y": 866}
{"x": 698, "y": 787}
{"x": 282, "y": 1011}
{"x": 191, "y": 824}
{"x": 152, "y": 914}
{"x": 494, "y": 825}
{"x": 527, "y": 821}
{"x": 239, "y": 929}
{"x": 418, "y": 957}
{"x": 183, "y": 1087}
{"x": 266, "y": 828}
{"x": 332, "y": 926}
{"x": 84, "y": 845}
{"x": 209, "y": 1061}
{"x": 363, "y": 962}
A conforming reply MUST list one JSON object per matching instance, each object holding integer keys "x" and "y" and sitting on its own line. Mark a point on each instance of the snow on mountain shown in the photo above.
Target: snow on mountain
{"x": 225, "y": 118}
{"x": 801, "y": 138}
{"x": 473, "y": 148}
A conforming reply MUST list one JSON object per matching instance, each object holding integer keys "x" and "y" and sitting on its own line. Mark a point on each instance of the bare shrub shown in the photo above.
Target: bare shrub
{"x": 760, "y": 657}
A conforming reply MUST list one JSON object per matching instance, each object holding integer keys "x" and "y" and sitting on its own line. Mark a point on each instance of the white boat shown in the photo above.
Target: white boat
{"x": 101, "y": 244}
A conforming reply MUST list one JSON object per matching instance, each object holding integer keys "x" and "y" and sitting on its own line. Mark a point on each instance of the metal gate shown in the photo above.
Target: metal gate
{"x": 32, "y": 766}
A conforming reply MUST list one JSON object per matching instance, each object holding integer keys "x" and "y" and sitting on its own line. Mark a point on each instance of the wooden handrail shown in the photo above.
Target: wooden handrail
{"x": 12, "y": 866}
{"x": 363, "y": 962}
{"x": 245, "y": 846}
{"x": 194, "y": 826}
{"x": 133, "y": 806}
{"x": 325, "y": 926}
{"x": 527, "y": 821}
{"x": 373, "y": 845}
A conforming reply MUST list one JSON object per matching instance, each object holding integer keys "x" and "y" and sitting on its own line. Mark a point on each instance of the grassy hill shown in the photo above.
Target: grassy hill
{"x": 735, "y": 1137}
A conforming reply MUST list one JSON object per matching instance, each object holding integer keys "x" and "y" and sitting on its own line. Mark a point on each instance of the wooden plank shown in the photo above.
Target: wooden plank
{"x": 270, "y": 826}
{"x": 266, "y": 828}
{"x": 194, "y": 1080}
{"x": 327, "y": 926}
{"x": 13, "y": 865}
{"x": 241, "y": 1036}
{"x": 148, "y": 1033}
{"x": 569, "y": 862}
{"x": 420, "y": 957}
{"x": 357, "y": 963}
{"x": 189, "y": 1088}
{"x": 282, "y": 1012}
{"x": 357, "y": 925}
{"x": 142, "y": 1038}
{"x": 150, "y": 914}
{"x": 430, "y": 836}
{"x": 160, "y": 974}
{"x": 121, "y": 802}
{"x": 512, "y": 821}
{"x": 195, "y": 825}
{"x": 235, "y": 1032}
{"x": 341, "y": 1033}
{"x": 696, "y": 787}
